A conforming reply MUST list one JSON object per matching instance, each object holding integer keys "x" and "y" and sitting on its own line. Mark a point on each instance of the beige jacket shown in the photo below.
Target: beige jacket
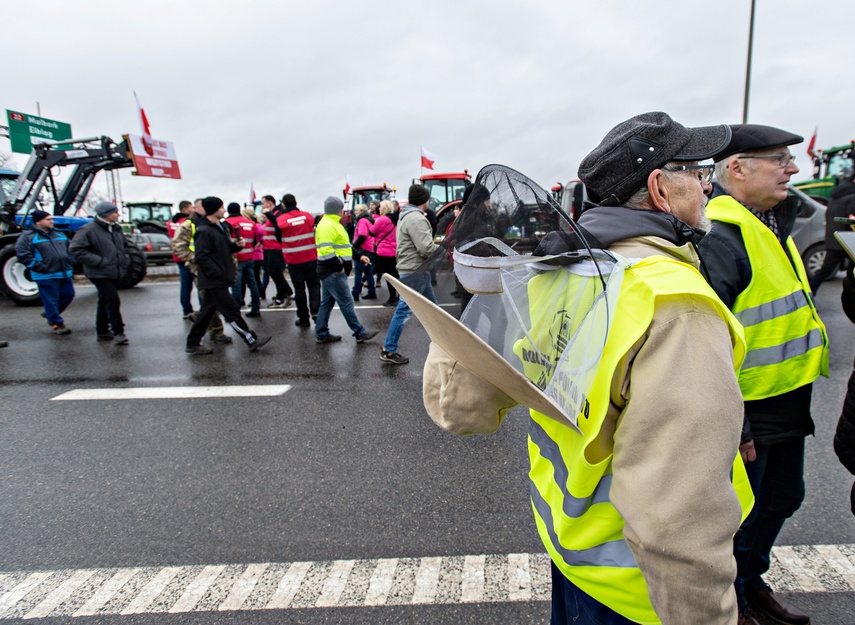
{"x": 673, "y": 426}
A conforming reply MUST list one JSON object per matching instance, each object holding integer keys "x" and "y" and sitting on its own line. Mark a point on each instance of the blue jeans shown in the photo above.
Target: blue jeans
{"x": 420, "y": 284}
{"x": 336, "y": 290}
{"x": 358, "y": 271}
{"x": 57, "y": 294}
{"x": 246, "y": 273}
{"x": 571, "y": 606}
{"x": 777, "y": 479}
{"x": 186, "y": 288}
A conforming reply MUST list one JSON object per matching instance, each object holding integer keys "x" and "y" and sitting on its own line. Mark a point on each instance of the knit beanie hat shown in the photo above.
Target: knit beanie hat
{"x": 211, "y": 204}
{"x": 418, "y": 194}
{"x": 333, "y": 205}
{"x": 234, "y": 209}
{"x": 104, "y": 208}
{"x": 38, "y": 215}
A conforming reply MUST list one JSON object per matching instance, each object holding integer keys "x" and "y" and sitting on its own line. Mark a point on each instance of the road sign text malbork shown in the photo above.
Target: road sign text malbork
{"x": 26, "y": 130}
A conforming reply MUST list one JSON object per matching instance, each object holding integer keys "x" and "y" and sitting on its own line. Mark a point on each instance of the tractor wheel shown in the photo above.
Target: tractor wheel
{"x": 138, "y": 268}
{"x": 15, "y": 280}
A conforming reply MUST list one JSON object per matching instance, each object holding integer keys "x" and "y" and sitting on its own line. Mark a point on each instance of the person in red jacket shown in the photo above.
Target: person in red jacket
{"x": 301, "y": 255}
{"x": 244, "y": 229}
{"x": 274, "y": 263}
{"x": 185, "y": 207}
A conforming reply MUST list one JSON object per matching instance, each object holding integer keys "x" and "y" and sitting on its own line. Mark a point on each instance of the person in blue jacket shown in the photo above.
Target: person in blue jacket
{"x": 44, "y": 251}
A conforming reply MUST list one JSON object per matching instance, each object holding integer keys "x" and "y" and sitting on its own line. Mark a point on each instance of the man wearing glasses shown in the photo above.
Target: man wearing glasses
{"x": 755, "y": 268}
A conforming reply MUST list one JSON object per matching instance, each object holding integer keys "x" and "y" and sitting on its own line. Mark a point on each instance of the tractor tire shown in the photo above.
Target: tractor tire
{"x": 138, "y": 268}
{"x": 15, "y": 282}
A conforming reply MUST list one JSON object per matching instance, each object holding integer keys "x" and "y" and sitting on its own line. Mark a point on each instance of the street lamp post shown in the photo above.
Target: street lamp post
{"x": 748, "y": 69}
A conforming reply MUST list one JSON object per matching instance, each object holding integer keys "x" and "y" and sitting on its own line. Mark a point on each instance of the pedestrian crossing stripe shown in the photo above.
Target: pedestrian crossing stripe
{"x": 346, "y": 583}
{"x": 173, "y": 392}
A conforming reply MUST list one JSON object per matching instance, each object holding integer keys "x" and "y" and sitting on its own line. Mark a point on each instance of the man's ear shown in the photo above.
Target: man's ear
{"x": 737, "y": 169}
{"x": 660, "y": 194}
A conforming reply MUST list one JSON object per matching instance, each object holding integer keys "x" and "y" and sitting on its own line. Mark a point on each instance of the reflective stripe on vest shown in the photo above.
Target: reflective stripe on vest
{"x": 579, "y": 526}
{"x": 787, "y": 342}
{"x": 192, "y": 245}
{"x": 290, "y": 249}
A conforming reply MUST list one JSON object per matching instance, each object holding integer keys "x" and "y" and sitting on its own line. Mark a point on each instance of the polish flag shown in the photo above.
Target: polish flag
{"x": 346, "y": 185}
{"x": 147, "y": 141}
{"x": 252, "y": 196}
{"x": 428, "y": 159}
{"x": 812, "y": 144}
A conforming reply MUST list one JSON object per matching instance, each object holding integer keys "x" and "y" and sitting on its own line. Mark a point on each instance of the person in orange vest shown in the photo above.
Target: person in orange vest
{"x": 244, "y": 229}
{"x": 274, "y": 262}
{"x": 301, "y": 255}
{"x": 184, "y": 209}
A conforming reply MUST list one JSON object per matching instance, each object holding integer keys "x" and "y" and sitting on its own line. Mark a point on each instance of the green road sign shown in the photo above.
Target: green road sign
{"x": 25, "y": 130}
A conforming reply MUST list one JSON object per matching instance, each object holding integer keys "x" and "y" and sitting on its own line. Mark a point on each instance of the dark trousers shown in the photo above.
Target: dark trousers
{"x": 571, "y": 606}
{"x": 832, "y": 261}
{"x": 57, "y": 294}
{"x": 274, "y": 264}
{"x": 108, "y": 316}
{"x": 388, "y": 265}
{"x": 305, "y": 276}
{"x": 777, "y": 479}
{"x": 219, "y": 300}
{"x": 186, "y": 288}
{"x": 257, "y": 266}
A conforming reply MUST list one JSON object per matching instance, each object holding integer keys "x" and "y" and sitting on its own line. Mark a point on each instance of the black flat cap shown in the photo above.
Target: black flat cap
{"x": 754, "y": 137}
{"x": 620, "y": 165}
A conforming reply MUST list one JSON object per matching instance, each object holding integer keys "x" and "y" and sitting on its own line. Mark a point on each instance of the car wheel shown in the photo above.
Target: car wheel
{"x": 813, "y": 258}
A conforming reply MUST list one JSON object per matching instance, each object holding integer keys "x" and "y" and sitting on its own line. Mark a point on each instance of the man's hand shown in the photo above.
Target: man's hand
{"x": 365, "y": 260}
{"x": 748, "y": 453}
{"x": 240, "y": 242}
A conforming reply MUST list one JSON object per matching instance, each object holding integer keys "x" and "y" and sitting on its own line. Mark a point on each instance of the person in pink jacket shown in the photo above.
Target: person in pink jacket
{"x": 363, "y": 245}
{"x": 385, "y": 247}
{"x": 258, "y": 250}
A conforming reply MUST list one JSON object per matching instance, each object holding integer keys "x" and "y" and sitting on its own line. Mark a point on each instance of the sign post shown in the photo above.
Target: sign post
{"x": 27, "y": 130}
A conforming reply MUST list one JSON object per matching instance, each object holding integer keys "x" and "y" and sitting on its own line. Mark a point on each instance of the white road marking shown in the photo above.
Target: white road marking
{"x": 174, "y": 392}
{"x": 381, "y": 582}
{"x": 427, "y": 580}
{"x": 59, "y": 595}
{"x": 106, "y": 592}
{"x": 288, "y": 586}
{"x": 421, "y": 581}
{"x": 335, "y": 584}
{"x": 197, "y": 589}
{"x": 151, "y": 590}
{"x": 243, "y": 587}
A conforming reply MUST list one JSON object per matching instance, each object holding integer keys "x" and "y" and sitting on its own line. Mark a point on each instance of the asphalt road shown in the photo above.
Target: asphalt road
{"x": 342, "y": 472}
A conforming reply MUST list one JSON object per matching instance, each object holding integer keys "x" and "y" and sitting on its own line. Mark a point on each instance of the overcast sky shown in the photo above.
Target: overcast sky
{"x": 292, "y": 96}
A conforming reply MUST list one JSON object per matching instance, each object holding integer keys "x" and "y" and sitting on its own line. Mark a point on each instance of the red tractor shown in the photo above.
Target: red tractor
{"x": 446, "y": 192}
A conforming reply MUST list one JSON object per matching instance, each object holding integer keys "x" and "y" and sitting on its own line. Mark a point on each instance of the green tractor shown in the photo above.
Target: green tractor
{"x": 149, "y": 217}
{"x": 829, "y": 168}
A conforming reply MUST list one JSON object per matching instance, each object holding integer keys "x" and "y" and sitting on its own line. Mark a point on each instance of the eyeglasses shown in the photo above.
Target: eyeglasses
{"x": 704, "y": 172}
{"x": 783, "y": 158}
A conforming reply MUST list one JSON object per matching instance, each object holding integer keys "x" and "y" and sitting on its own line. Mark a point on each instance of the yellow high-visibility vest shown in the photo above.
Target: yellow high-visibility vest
{"x": 787, "y": 342}
{"x": 579, "y": 526}
{"x": 332, "y": 240}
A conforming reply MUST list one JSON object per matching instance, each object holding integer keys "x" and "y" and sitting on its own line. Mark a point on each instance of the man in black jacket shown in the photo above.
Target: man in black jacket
{"x": 216, "y": 275}
{"x": 102, "y": 249}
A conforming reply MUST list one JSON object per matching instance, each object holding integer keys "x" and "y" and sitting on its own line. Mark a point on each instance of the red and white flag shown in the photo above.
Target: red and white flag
{"x": 148, "y": 142}
{"x": 252, "y": 196}
{"x": 346, "y": 185}
{"x": 428, "y": 159}
{"x": 812, "y": 144}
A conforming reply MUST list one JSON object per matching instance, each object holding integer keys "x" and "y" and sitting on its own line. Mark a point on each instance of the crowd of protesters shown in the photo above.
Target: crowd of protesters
{"x": 230, "y": 255}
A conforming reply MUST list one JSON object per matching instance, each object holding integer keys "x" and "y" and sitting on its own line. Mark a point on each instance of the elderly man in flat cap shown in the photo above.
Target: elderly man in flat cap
{"x": 755, "y": 268}
{"x": 638, "y": 507}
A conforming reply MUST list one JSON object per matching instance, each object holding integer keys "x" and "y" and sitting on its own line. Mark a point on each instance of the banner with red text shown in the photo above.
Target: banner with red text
{"x": 162, "y": 164}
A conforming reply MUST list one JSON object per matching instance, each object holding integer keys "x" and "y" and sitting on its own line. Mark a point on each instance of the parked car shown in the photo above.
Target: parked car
{"x": 809, "y": 232}
{"x": 156, "y": 247}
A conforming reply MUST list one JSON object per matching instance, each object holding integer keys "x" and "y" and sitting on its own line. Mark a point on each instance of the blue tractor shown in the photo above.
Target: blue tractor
{"x": 22, "y": 192}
